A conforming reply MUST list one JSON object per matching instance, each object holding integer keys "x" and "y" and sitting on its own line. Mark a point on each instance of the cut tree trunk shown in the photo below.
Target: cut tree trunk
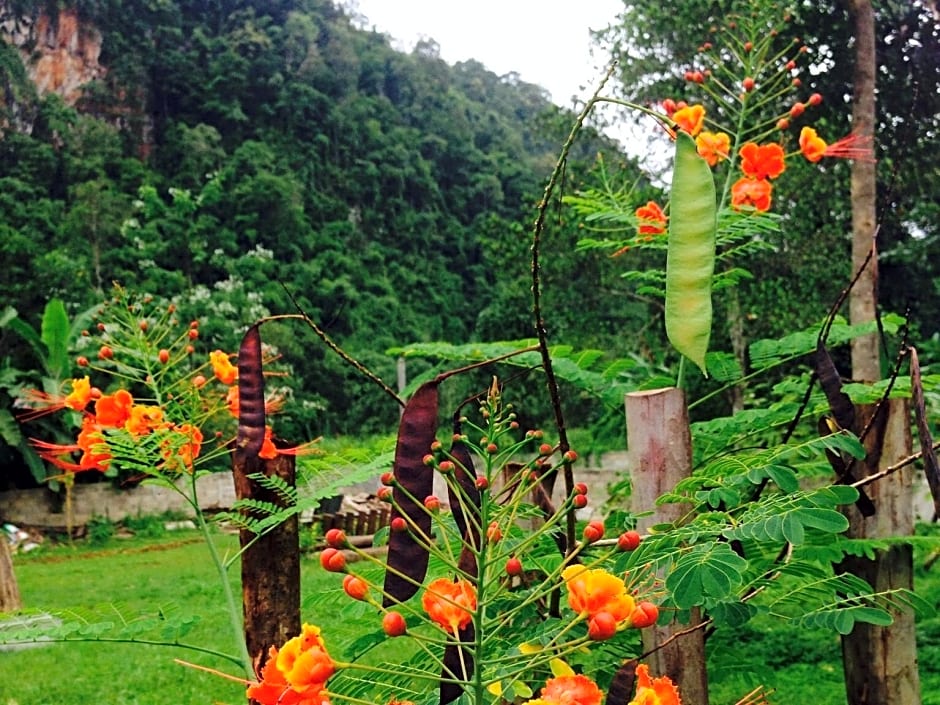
{"x": 270, "y": 565}
{"x": 880, "y": 663}
{"x": 660, "y": 451}
{"x": 10, "y": 600}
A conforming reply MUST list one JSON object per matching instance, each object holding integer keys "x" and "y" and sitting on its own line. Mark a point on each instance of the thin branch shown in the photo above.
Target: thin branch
{"x": 362, "y": 369}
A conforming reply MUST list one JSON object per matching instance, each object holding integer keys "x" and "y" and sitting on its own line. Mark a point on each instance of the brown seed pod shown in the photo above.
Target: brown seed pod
{"x": 251, "y": 418}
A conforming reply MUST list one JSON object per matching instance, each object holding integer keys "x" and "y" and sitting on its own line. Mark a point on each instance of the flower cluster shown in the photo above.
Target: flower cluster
{"x": 295, "y": 674}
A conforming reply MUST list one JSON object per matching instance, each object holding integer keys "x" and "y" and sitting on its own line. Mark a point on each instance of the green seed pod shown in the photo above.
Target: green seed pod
{"x": 690, "y": 257}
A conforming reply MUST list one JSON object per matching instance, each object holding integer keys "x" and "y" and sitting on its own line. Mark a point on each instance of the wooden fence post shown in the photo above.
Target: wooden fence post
{"x": 9, "y": 590}
{"x": 271, "y": 565}
{"x": 660, "y": 451}
{"x": 880, "y": 663}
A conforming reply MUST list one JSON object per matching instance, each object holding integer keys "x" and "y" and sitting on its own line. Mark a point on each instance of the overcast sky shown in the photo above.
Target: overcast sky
{"x": 546, "y": 43}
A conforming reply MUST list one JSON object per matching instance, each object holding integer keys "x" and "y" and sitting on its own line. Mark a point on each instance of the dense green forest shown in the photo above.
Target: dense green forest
{"x": 237, "y": 153}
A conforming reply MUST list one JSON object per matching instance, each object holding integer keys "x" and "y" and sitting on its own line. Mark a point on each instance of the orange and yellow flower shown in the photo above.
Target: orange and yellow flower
{"x": 853, "y": 146}
{"x": 297, "y": 673}
{"x": 652, "y": 219}
{"x": 751, "y": 193}
{"x": 691, "y": 119}
{"x": 143, "y": 419}
{"x": 450, "y": 603}
{"x": 113, "y": 410}
{"x": 654, "y": 691}
{"x": 80, "y": 395}
{"x": 592, "y": 591}
{"x": 222, "y": 367}
{"x": 713, "y": 147}
{"x": 572, "y": 690}
{"x": 762, "y": 161}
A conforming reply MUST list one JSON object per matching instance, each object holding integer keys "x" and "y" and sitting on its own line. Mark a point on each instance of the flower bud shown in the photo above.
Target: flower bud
{"x": 579, "y": 501}
{"x": 393, "y": 624}
{"x": 336, "y": 538}
{"x": 493, "y": 533}
{"x": 628, "y": 540}
{"x": 105, "y": 353}
{"x": 81, "y": 361}
{"x": 815, "y": 99}
{"x": 432, "y": 503}
{"x": 384, "y": 494}
{"x": 594, "y": 531}
{"x": 163, "y": 356}
{"x": 482, "y": 483}
{"x": 355, "y": 587}
{"x": 332, "y": 560}
{"x": 398, "y": 525}
{"x": 645, "y": 614}
{"x": 602, "y": 626}
{"x": 387, "y": 479}
{"x": 446, "y": 467}
{"x": 514, "y": 566}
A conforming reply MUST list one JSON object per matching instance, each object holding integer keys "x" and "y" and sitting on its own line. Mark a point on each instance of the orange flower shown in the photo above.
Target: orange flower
{"x": 113, "y": 410}
{"x": 80, "y": 395}
{"x": 655, "y": 691}
{"x": 231, "y": 400}
{"x": 89, "y": 443}
{"x": 751, "y": 193}
{"x": 268, "y": 450}
{"x": 853, "y": 146}
{"x": 690, "y": 118}
{"x": 143, "y": 419}
{"x": 92, "y": 444}
{"x": 450, "y": 603}
{"x": 223, "y": 368}
{"x": 275, "y": 690}
{"x": 572, "y": 690}
{"x": 713, "y": 147}
{"x": 763, "y": 161}
{"x": 304, "y": 661}
{"x": 591, "y": 591}
{"x": 183, "y": 449}
{"x": 652, "y": 219}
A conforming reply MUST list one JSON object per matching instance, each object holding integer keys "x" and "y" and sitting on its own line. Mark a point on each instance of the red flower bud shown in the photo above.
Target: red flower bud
{"x": 514, "y": 566}
{"x": 628, "y": 541}
{"x": 164, "y": 356}
{"x": 332, "y": 560}
{"x": 493, "y": 533}
{"x": 570, "y": 456}
{"x": 748, "y": 46}
{"x": 602, "y": 626}
{"x": 482, "y": 483}
{"x": 105, "y": 353}
{"x": 815, "y": 99}
{"x": 580, "y": 488}
{"x": 398, "y": 525}
{"x": 579, "y": 501}
{"x": 645, "y": 614}
{"x": 545, "y": 449}
{"x": 797, "y": 110}
{"x": 193, "y": 333}
{"x": 336, "y": 538}
{"x": 355, "y": 587}
{"x": 393, "y": 624}
{"x": 492, "y": 448}
{"x": 594, "y": 531}
{"x": 446, "y": 466}
{"x": 791, "y": 64}
{"x": 783, "y": 124}
{"x": 387, "y": 479}
{"x": 436, "y": 446}
{"x": 82, "y": 361}
{"x": 432, "y": 503}
{"x": 384, "y": 494}
{"x": 748, "y": 83}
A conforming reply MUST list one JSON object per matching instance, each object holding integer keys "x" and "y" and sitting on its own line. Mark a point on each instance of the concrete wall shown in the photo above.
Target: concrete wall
{"x": 41, "y": 508}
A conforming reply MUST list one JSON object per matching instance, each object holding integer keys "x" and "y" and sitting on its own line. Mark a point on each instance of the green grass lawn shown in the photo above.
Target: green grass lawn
{"x": 175, "y": 571}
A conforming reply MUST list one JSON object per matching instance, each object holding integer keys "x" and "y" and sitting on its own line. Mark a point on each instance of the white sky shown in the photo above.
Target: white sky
{"x": 546, "y": 43}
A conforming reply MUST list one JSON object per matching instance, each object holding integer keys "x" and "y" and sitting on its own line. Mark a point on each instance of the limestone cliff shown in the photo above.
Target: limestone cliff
{"x": 60, "y": 53}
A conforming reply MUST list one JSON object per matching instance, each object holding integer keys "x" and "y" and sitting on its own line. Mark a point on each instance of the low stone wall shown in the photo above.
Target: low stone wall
{"x": 41, "y": 508}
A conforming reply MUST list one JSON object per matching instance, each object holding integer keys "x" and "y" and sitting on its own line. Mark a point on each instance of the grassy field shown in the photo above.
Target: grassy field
{"x": 137, "y": 575}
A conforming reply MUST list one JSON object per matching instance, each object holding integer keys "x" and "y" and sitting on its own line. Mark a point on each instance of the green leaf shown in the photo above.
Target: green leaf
{"x": 828, "y": 520}
{"x": 707, "y": 571}
{"x": 55, "y": 337}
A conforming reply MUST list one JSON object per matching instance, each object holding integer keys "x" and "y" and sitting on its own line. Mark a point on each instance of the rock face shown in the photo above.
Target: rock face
{"x": 60, "y": 53}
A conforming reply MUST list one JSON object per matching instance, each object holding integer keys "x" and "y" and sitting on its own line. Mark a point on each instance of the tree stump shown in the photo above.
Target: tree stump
{"x": 10, "y": 600}
{"x": 660, "y": 450}
{"x": 270, "y": 565}
{"x": 880, "y": 663}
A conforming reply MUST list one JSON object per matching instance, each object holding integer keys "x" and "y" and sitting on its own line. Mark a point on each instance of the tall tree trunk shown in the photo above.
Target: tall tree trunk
{"x": 880, "y": 664}
{"x": 863, "y": 298}
{"x": 9, "y": 590}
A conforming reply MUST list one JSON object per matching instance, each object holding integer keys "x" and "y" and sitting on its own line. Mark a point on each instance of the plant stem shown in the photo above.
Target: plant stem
{"x": 234, "y": 612}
